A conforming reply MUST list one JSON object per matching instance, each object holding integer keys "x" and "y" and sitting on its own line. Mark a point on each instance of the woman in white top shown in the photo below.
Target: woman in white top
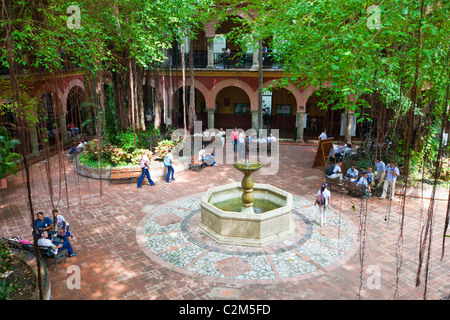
{"x": 325, "y": 193}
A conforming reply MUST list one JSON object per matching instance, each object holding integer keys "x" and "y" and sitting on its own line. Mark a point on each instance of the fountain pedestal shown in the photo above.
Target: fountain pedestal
{"x": 242, "y": 226}
{"x": 247, "y": 184}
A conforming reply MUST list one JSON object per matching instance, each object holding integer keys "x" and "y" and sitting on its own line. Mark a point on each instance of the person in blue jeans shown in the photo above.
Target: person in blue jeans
{"x": 58, "y": 247}
{"x": 43, "y": 224}
{"x": 144, "y": 164}
{"x": 168, "y": 162}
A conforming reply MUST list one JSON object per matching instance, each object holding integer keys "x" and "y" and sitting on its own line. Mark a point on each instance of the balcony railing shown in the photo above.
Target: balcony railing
{"x": 234, "y": 61}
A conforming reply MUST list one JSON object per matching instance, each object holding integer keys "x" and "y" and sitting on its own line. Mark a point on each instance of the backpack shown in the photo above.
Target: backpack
{"x": 329, "y": 171}
{"x": 320, "y": 199}
{"x": 167, "y": 161}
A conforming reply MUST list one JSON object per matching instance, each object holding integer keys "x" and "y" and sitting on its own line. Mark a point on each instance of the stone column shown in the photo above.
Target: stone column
{"x": 210, "y": 118}
{"x": 348, "y": 127}
{"x": 255, "y": 64}
{"x": 63, "y": 128}
{"x": 255, "y": 120}
{"x": 34, "y": 142}
{"x": 300, "y": 124}
{"x": 210, "y": 52}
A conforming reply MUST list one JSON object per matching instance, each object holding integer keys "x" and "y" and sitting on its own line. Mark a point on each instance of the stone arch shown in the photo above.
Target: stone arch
{"x": 292, "y": 89}
{"x": 200, "y": 87}
{"x": 253, "y": 97}
{"x": 73, "y": 83}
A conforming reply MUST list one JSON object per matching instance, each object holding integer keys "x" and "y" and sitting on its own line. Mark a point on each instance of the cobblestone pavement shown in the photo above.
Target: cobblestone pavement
{"x": 143, "y": 243}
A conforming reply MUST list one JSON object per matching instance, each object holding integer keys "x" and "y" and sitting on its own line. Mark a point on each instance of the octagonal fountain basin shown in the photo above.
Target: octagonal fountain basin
{"x": 222, "y": 219}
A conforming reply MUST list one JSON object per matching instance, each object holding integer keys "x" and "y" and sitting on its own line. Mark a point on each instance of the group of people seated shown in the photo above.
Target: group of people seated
{"x": 77, "y": 146}
{"x": 386, "y": 176}
{"x": 53, "y": 232}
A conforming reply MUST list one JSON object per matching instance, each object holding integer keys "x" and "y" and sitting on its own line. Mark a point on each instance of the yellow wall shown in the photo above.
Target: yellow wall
{"x": 235, "y": 95}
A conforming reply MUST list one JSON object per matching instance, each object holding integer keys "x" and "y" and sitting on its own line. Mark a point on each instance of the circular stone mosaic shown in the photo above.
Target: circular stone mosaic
{"x": 168, "y": 234}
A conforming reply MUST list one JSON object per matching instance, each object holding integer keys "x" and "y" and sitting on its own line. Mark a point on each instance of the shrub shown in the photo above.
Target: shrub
{"x": 164, "y": 145}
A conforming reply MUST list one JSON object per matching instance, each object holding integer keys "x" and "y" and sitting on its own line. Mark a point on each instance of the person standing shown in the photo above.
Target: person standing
{"x": 241, "y": 145}
{"x": 392, "y": 173}
{"x": 222, "y": 134}
{"x": 145, "y": 166}
{"x": 323, "y": 201}
{"x": 234, "y": 137}
{"x": 380, "y": 171}
{"x": 168, "y": 162}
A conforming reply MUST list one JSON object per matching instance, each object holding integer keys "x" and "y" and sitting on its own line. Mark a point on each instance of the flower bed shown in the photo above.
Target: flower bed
{"x": 157, "y": 169}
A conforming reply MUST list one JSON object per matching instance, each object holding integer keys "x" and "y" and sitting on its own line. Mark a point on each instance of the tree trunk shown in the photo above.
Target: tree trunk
{"x": 157, "y": 100}
{"x": 183, "y": 67}
{"x": 191, "y": 118}
{"x": 22, "y": 130}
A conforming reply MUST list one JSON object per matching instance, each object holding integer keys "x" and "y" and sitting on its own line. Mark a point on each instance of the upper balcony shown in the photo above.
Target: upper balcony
{"x": 236, "y": 60}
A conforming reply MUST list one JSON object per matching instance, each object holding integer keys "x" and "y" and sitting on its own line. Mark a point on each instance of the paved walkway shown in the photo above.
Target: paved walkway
{"x": 114, "y": 263}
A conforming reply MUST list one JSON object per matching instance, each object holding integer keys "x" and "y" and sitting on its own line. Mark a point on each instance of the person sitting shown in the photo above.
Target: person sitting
{"x": 63, "y": 225}
{"x": 336, "y": 173}
{"x": 352, "y": 173}
{"x": 80, "y": 146}
{"x": 271, "y": 139}
{"x": 370, "y": 175}
{"x": 42, "y": 224}
{"x": 72, "y": 150}
{"x": 323, "y": 135}
{"x": 206, "y": 158}
{"x": 340, "y": 151}
{"x": 65, "y": 244}
{"x": 363, "y": 181}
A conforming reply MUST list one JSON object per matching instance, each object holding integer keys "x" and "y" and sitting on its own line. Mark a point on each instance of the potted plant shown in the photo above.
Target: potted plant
{"x": 9, "y": 160}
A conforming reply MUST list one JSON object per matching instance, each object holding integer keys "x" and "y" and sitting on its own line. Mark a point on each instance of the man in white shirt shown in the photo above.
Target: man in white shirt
{"x": 337, "y": 172}
{"x": 364, "y": 182}
{"x": 352, "y": 173}
{"x": 392, "y": 173}
{"x": 380, "y": 171}
{"x": 222, "y": 134}
{"x": 144, "y": 163}
{"x": 58, "y": 220}
{"x": 202, "y": 157}
{"x": 43, "y": 241}
{"x": 323, "y": 135}
{"x": 241, "y": 145}
{"x": 271, "y": 139}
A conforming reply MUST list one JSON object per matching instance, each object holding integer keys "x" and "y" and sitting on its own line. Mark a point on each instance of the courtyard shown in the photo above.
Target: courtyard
{"x": 144, "y": 244}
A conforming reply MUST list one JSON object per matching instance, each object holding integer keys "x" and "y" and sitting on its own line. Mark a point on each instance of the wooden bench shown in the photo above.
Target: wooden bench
{"x": 45, "y": 251}
{"x": 334, "y": 182}
{"x": 124, "y": 173}
{"x": 195, "y": 163}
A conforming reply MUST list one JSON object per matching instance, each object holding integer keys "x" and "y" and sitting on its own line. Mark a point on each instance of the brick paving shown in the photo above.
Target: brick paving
{"x": 113, "y": 266}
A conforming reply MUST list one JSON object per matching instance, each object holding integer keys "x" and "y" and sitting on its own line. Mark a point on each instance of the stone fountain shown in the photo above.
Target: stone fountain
{"x": 247, "y": 213}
